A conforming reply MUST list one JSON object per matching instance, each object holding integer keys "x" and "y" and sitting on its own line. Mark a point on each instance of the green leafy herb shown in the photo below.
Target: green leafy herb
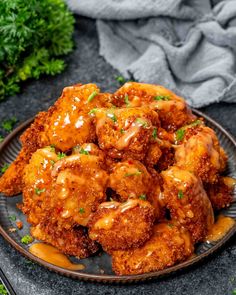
{"x": 162, "y": 97}
{"x": 142, "y": 197}
{"x": 92, "y": 95}
{"x": 170, "y": 225}
{"x": 180, "y": 134}
{"x": 180, "y": 194}
{"x": 8, "y": 125}
{"x": 4, "y": 168}
{"x": 1, "y": 138}
{"x": 154, "y": 133}
{"x": 120, "y": 79}
{"x": 143, "y": 123}
{"x": 127, "y": 99}
{"x": 133, "y": 174}
{"x": 112, "y": 117}
{"x": 93, "y": 111}
{"x": 83, "y": 152}
{"x": 3, "y": 290}
{"x": 195, "y": 123}
{"x": 34, "y": 35}
{"x": 27, "y": 239}
{"x": 122, "y": 131}
{"x": 81, "y": 210}
{"x": 38, "y": 191}
{"x": 52, "y": 147}
{"x": 12, "y": 218}
{"x": 61, "y": 155}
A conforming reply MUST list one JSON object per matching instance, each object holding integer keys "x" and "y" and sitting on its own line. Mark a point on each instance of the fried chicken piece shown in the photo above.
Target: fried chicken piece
{"x": 221, "y": 193}
{"x": 169, "y": 245}
{"x": 172, "y": 109}
{"x": 200, "y": 153}
{"x": 74, "y": 241}
{"x": 126, "y": 132}
{"x": 187, "y": 201}
{"x": 122, "y": 225}
{"x": 64, "y": 125}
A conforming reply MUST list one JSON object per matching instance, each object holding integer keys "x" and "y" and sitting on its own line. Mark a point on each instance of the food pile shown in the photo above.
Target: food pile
{"x": 134, "y": 172}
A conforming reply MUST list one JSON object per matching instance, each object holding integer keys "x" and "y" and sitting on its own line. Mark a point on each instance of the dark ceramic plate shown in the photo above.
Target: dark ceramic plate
{"x": 98, "y": 268}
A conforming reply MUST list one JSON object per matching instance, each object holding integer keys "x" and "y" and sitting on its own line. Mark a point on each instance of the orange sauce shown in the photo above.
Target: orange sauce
{"x": 220, "y": 228}
{"x": 52, "y": 255}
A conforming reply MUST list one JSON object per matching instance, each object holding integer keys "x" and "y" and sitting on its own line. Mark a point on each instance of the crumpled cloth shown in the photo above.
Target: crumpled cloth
{"x": 188, "y": 46}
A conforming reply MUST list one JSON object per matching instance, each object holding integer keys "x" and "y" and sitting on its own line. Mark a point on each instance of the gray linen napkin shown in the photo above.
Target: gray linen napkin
{"x": 188, "y": 46}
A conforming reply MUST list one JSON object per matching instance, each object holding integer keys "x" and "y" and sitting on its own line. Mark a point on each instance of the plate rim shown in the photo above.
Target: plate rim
{"x": 104, "y": 278}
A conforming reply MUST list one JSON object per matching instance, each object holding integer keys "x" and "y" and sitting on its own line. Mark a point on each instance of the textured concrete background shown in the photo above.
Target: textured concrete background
{"x": 216, "y": 275}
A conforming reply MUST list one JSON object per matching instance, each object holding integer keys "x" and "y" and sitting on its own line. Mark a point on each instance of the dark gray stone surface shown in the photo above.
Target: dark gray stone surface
{"x": 216, "y": 275}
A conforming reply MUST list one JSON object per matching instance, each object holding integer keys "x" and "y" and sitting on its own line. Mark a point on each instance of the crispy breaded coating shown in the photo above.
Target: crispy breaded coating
{"x": 169, "y": 244}
{"x": 126, "y": 132}
{"x": 74, "y": 241}
{"x": 187, "y": 201}
{"x": 200, "y": 153}
{"x": 172, "y": 109}
{"x": 122, "y": 225}
{"x": 221, "y": 193}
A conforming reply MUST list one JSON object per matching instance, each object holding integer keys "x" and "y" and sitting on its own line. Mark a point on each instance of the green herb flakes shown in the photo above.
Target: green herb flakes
{"x": 143, "y": 197}
{"x": 133, "y": 174}
{"x": 112, "y": 117}
{"x": 93, "y": 111}
{"x": 39, "y": 191}
{"x": 154, "y": 133}
{"x": 52, "y": 162}
{"x": 12, "y": 218}
{"x": 127, "y": 99}
{"x": 3, "y": 290}
{"x": 27, "y": 239}
{"x": 61, "y": 155}
{"x": 180, "y": 194}
{"x": 162, "y": 97}
{"x": 142, "y": 122}
{"x": 92, "y": 95}
{"x": 170, "y": 225}
{"x": 120, "y": 79}
{"x": 180, "y": 134}
{"x": 83, "y": 152}
{"x": 52, "y": 148}
{"x": 122, "y": 131}
{"x": 8, "y": 125}
{"x": 81, "y": 210}
{"x": 4, "y": 168}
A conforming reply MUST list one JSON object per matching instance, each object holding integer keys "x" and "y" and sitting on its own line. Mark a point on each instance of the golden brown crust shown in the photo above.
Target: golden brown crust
{"x": 122, "y": 225}
{"x": 168, "y": 245}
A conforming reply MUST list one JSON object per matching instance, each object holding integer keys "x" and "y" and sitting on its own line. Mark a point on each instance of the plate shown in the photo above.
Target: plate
{"x": 98, "y": 268}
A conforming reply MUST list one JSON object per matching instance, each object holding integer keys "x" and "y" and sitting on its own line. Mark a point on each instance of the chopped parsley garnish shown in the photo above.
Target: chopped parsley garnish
{"x": 133, "y": 174}
{"x": 179, "y": 134}
{"x": 8, "y": 125}
{"x": 12, "y": 218}
{"x": 154, "y": 133}
{"x": 142, "y": 122}
{"x": 112, "y": 117}
{"x": 61, "y": 155}
{"x": 4, "y": 168}
{"x": 1, "y": 138}
{"x": 83, "y": 152}
{"x": 142, "y": 197}
{"x": 93, "y": 111}
{"x": 120, "y": 79}
{"x": 27, "y": 239}
{"x": 38, "y": 191}
{"x": 170, "y": 225}
{"x": 180, "y": 194}
{"x": 92, "y": 95}
{"x": 127, "y": 99}
{"x": 195, "y": 123}
{"x": 81, "y": 210}
{"x": 3, "y": 290}
{"x": 122, "y": 131}
{"x": 162, "y": 97}
{"x": 52, "y": 146}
